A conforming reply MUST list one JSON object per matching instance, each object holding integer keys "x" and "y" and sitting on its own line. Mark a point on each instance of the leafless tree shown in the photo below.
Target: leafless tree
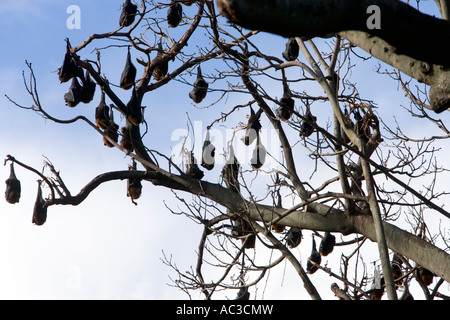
{"x": 364, "y": 176}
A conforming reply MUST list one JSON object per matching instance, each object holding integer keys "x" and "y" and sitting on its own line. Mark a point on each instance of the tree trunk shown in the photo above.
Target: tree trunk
{"x": 407, "y": 39}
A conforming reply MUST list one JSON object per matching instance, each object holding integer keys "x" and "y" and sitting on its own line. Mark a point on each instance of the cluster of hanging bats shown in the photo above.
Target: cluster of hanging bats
{"x": 82, "y": 89}
{"x": 84, "y": 92}
{"x": 12, "y": 195}
{"x": 377, "y": 291}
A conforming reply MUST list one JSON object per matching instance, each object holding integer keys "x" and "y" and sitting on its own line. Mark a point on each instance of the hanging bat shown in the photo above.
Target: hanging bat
{"x": 128, "y": 14}
{"x": 253, "y": 126}
{"x": 208, "y": 152}
{"x": 111, "y": 132}
{"x": 242, "y": 229}
{"x": 284, "y": 112}
{"x": 134, "y": 110}
{"x": 396, "y": 267}
{"x": 134, "y": 185}
{"x": 69, "y": 68}
{"x": 230, "y": 172}
{"x": 397, "y": 274}
{"x": 243, "y": 294}
{"x": 74, "y": 95}
{"x": 128, "y": 74}
{"x": 192, "y": 169}
{"x": 426, "y": 276}
{"x": 102, "y": 113}
{"x": 40, "y": 210}
{"x": 307, "y": 127}
{"x": 88, "y": 89}
{"x": 291, "y": 51}
{"x": 162, "y": 67}
{"x": 294, "y": 237}
{"x": 13, "y": 188}
{"x": 313, "y": 259}
{"x": 134, "y": 188}
{"x": 327, "y": 244}
{"x": 259, "y": 155}
{"x": 126, "y": 139}
{"x": 174, "y": 14}
{"x": 200, "y": 89}
{"x": 278, "y": 228}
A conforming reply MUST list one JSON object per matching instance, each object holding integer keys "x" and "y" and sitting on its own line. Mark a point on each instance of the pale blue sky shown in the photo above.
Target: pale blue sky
{"x": 106, "y": 247}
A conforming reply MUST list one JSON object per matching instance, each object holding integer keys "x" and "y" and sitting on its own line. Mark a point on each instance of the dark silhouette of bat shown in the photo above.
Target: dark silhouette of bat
{"x": 294, "y": 237}
{"x": 243, "y": 294}
{"x": 134, "y": 188}
{"x": 74, "y": 95}
{"x": 134, "y": 110}
{"x": 397, "y": 274}
{"x": 200, "y": 89}
{"x": 192, "y": 169}
{"x": 253, "y": 126}
{"x": 111, "y": 132}
{"x": 314, "y": 258}
{"x": 291, "y": 51}
{"x": 126, "y": 139}
{"x": 327, "y": 244}
{"x": 128, "y": 14}
{"x": 278, "y": 228}
{"x": 134, "y": 185}
{"x": 286, "y": 108}
{"x": 230, "y": 172}
{"x": 426, "y": 276}
{"x": 161, "y": 68}
{"x": 208, "y": 152}
{"x": 307, "y": 127}
{"x": 88, "y": 89}
{"x": 241, "y": 228}
{"x": 39, "y": 210}
{"x": 13, "y": 189}
{"x": 259, "y": 154}
{"x": 128, "y": 74}
{"x": 396, "y": 267}
{"x": 174, "y": 14}
{"x": 102, "y": 113}
{"x": 69, "y": 68}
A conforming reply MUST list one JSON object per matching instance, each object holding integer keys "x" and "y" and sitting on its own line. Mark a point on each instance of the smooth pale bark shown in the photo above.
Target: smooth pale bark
{"x": 379, "y": 230}
{"x": 413, "y": 33}
{"x": 436, "y": 76}
{"x": 407, "y": 39}
{"x": 320, "y": 217}
{"x": 324, "y": 218}
{"x": 398, "y": 240}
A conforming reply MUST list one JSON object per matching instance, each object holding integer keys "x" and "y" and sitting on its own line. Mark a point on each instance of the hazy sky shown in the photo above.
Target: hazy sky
{"x": 106, "y": 248}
